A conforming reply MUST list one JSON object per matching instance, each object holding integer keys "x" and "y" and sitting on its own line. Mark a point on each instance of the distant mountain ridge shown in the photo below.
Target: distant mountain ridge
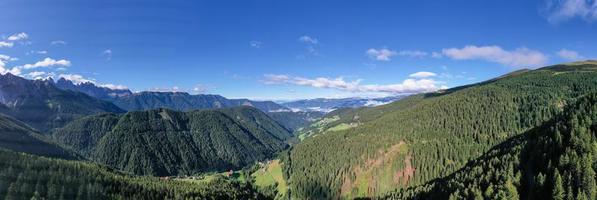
{"x": 91, "y": 89}
{"x": 148, "y": 100}
{"x": 328, "y": 105}
{"x": 183, "y": 101}
{"x": 42, "y": 105}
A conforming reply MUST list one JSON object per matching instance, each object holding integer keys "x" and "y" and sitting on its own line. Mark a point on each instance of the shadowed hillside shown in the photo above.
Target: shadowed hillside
{"x": 165, "y": 142}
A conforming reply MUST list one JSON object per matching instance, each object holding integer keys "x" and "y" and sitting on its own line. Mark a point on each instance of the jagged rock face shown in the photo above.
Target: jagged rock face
{"x": 42, "y": 105}
{"x": 92, "y": 90}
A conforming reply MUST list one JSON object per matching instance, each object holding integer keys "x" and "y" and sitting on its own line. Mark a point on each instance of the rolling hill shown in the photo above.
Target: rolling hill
{"x": 424, "y": 137}
{"x": 43, "y": 106}
{"x": 164, "y": 142}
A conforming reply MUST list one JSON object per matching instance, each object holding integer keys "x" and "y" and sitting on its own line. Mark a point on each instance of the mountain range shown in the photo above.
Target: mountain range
{"x": 146, "y": 100}
{"x": 529, "y": 134}
{"x": 42, "y": 105}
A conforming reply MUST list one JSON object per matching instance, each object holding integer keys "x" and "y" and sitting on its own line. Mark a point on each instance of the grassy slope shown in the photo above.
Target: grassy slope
{"x": 269, "y": 176}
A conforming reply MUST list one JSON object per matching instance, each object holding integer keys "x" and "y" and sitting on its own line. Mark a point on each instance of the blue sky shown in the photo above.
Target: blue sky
{"x": 291, "y": 49}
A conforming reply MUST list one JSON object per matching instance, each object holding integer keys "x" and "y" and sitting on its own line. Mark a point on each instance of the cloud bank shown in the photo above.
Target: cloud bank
{"x": 520, "y": 57}
{"x": 564, "y": 10}
{"x": 408, "y": 86}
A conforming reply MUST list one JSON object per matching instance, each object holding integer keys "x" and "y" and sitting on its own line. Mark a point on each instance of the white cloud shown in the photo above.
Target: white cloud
{"x": 114, "y": 87}
{"x": 4, "y": 59}
{"x": 200, "y": 88}
{"x": 385, "y": 54}
{"x": 47, "y": 62}
{"x": 36, "y": 73}
{"x": 516, "y": 58}
{"x": 18, "y": 36}
{"x": 161, "y": 89}
{"x": 569, "y": 54}
{"x": 58, "y": 42}
{"x": 275, "y": 78}
{"x": 308, "y": 39}
{"x": 13, "y": 71}
{"x": 408, "y": 86}
{"x": 108, "y": 54}
{"x": 6, "y": 44}
{"x": 436, "y": 55}
{"x": 562, "y": 10}
{"x": 380, "y": 54}
{"x": 37, "y": 52}
{"x": 422, "y": 75}
{"x": 312, "y": 45}
{"x": 255, "y": 44}
{"x": 76, "y": 78}
{"x": 412, "y": 53}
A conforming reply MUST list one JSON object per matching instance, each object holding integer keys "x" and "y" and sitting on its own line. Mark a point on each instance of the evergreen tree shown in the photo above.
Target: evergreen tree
{"x": 558, "y": 187}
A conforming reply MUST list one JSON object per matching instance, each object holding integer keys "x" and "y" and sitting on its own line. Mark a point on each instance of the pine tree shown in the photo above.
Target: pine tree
{"x": 511, "y": 191}
{"x": 558, "y": 187}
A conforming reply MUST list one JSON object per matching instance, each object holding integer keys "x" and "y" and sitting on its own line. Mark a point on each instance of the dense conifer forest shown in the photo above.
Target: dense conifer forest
{"x": 555, "y": 160}
{"x": 31, "y": 177}
{"x": 163, "y": 142}
{"x": 429, "y": 136}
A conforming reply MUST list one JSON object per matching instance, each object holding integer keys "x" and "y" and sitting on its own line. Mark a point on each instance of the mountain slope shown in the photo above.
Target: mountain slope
{"x": 165, "y": 142}
{"x": 554, "y": 160}
{"x": 33, "y": 177}
{"x": 428, "y": 136}
{"x": 43, "y": 106}
{"x": 16, "y": 136}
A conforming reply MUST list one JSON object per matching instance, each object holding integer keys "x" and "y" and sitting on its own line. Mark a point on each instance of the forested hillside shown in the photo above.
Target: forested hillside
{"x": 164, "y": 142}
{"x": 553, "y": 161}
{"x": 17, "y": 136}
{"x": 429, "y": 136}
{"x": 32, "y": 177}
{"x": 43, "y": 106}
